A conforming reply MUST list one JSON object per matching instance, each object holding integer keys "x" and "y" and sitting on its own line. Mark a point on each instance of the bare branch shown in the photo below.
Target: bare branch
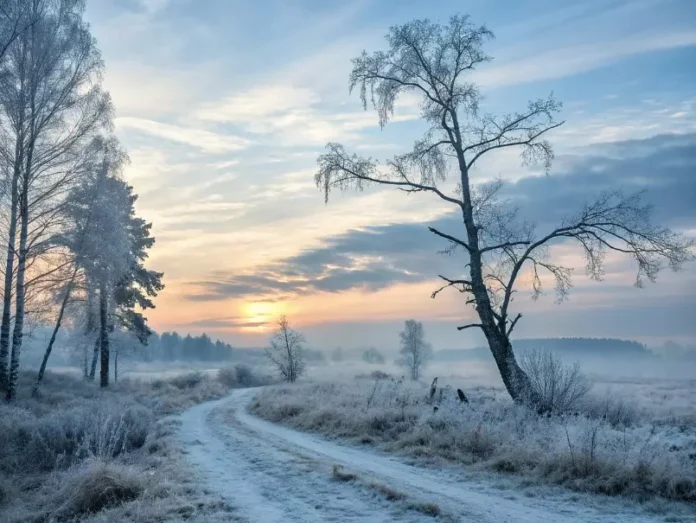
{"x": 450, "y": 238}
{"x": 466, "y": 286}
{"x": 470, "y": 326}
{"x": 518, "y": 130}
{"x": 513, "y": 323}
{"x": 339, "y": 170}
{"x": 504, "y": 246}
{"x": 618, "y": 222}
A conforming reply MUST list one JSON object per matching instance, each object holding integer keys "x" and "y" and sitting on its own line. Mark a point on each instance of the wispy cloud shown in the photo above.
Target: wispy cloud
{"x": 374, "y": 258}
{"x": 636, "y": 121}
{"x": 151, "y": 90}
{"x": 295, "y": 116}
{"x": 154, "y": 6}
{"x": 226, "y": 323}
{"x": 205, "y": 140}
{"x": 572, "y": 60}
{"x": 225, "y": 164}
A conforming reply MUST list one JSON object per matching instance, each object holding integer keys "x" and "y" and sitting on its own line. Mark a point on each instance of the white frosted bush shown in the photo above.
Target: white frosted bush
{"x": 559, "y": 387}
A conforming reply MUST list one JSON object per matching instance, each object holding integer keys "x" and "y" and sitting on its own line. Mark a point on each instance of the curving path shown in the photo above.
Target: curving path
{"x": 275, "y": 474}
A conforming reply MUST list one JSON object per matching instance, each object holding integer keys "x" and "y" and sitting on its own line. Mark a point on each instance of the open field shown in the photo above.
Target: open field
{"x": 631, "y": 437}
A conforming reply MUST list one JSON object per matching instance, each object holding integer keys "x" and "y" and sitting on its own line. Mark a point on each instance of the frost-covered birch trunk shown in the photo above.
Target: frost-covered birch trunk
{"x": 18, "y": 331}
{"x": 15, "y": 109}
{"x": 5, "y": 326}
{"x": 104, "y": 334}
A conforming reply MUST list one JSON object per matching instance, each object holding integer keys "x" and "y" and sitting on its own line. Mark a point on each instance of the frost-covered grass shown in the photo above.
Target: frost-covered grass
{"x": 78, "y": 453}
{"x": 608, "y": 446}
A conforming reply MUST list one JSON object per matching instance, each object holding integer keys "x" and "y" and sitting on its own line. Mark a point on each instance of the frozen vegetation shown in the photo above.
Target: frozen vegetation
{"x": 635, "y": 440}
{"x": 78, "y": 453}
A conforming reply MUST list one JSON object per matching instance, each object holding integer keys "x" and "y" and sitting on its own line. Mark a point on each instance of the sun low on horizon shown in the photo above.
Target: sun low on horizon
{"x": 224, "y": 127}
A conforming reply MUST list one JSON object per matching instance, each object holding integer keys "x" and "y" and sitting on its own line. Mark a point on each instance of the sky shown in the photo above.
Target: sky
{"x": 224, "y": 106}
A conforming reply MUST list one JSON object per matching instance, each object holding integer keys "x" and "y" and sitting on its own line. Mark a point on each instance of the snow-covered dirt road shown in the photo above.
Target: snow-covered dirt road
{"x": 275, "y": 474}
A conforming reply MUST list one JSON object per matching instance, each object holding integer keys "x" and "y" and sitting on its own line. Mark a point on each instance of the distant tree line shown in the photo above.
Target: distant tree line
{"x": 576, "y": 347}
{"x": 171, "y": 346}
{"x": 584, "y": 346}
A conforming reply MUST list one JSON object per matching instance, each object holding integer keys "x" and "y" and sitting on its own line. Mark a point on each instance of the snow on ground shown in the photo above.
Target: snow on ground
{"x": 268, "y": 482}
{"x": 272, "y": 473}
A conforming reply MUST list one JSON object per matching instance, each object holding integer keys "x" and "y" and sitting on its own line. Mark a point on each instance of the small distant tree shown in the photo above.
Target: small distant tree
{"x": 337, "y": 354}
{"x": 415, "y": 351}
{"x": 286, "y": 351}
{"x": 372, "y": 355}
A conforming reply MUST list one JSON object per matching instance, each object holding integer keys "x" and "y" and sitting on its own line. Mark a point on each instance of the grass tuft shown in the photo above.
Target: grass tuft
{"x": 340, "y": 475}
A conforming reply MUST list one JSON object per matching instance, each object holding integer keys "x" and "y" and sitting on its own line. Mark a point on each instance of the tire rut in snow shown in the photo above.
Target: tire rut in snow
{"x": 268, "y": 484}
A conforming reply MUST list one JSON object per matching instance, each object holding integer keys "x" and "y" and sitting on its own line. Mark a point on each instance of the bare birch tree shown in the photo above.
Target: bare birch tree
{"x": 433, "y": 61}
{"x": 286, "y": 351}
{"x": 415, "y": 351}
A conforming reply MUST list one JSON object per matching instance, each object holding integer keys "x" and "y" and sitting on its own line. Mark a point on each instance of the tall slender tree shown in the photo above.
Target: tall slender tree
{"x": 415, "y": 351}
{"x": 116, "y": 264}
{"x": 433, "y": 61}
{"x": 13, "y": 95}
{"x": 286, "y": 351}
{"x": 105, "y": 249}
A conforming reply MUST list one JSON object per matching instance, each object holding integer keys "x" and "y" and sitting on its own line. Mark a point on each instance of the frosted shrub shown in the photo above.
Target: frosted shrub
{"x": 114, "y": 430}
{"x": 615, "y": 410}
{"x": 241, "y": 376}
{"x": 189, "y": 380}
{"x": 228, "y": 377}
{"x": 95, "y": 486}
{"x": 558, "y": 386}
{"x": 245, "y": 376}
{"x": 96, "y": 429}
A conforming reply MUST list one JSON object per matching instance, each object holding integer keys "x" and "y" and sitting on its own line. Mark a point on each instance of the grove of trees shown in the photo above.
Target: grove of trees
{"x": 434, "y": 61}
{"x": 74, "y": 248}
